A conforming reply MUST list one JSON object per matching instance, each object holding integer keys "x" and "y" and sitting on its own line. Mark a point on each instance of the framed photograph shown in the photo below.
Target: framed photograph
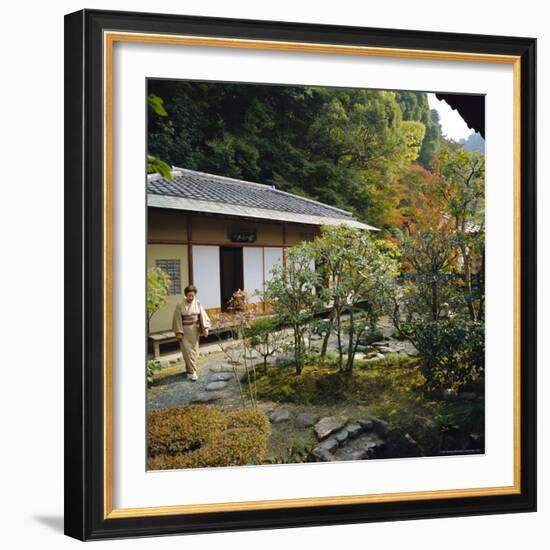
{"x": 300, "y": 274}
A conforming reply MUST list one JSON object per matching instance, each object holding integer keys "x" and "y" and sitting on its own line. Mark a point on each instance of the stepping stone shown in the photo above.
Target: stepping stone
{"x": 306, "y": 419}
{"x": 354, "y": 429}
{"x": 221, "y": 377}
{"x": 341, "y": 435}
{"x": 279, "y": 415}
{"x": 205, "y": 398}
{"x": 221, "y": 369}
{"x": 213, "y": 386}
{"x": 328, "y": 425}
{"x": 329, "y": 445}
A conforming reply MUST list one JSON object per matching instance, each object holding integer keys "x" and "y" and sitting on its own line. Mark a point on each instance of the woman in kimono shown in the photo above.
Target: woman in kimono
{"x": 189, "y": 323}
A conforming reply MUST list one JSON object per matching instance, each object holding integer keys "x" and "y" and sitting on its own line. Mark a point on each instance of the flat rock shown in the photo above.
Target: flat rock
{"x": 279, "y": 415}
{"x": 205, "y": 398}
{"x": 306, "y": 419}
{"x": 386, "y": 349}
{"x": 329, "y": 425}
{"x": 213, "y": 386}
{"x": 221, "y": 368}
{"x": 221, "y": 377}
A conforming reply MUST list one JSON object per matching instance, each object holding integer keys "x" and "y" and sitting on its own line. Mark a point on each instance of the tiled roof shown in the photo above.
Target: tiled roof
{"x": 189, "y": 184}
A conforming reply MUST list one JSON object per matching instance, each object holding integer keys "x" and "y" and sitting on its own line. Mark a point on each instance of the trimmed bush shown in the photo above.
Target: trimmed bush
{"x": 195, "y": 436}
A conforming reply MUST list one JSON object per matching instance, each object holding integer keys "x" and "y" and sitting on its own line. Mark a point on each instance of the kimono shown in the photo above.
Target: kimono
{"x": 188, "y": 319}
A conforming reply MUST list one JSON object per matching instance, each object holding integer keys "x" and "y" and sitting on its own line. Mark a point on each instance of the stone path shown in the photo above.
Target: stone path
{"x": 216, "y": 384}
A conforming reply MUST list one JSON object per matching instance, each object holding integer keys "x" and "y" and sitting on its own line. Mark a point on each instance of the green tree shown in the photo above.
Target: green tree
{"x": 291, "y": 292}
{"x": 155, "y": 164}
{"x": 461, "y": 181}
{"x": 359, "y": 273}
{"x": 343, "y": 147}
{"x": 158, "y": 287}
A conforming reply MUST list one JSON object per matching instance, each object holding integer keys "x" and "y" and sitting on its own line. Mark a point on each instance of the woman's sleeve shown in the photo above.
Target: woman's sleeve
{"x": 177, "y": 325}
{"x": 205, "y": 320}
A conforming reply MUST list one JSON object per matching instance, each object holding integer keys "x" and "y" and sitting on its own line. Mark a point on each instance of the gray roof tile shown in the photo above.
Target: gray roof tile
{"x": 209, "y": 187}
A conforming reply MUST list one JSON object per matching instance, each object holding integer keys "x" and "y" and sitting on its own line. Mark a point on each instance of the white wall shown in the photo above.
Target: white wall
{"x": 273, "y": 256}
{"x": 253, "y": 267}
{"x": 206, "y": 274}
{"x": 31, "y": 143}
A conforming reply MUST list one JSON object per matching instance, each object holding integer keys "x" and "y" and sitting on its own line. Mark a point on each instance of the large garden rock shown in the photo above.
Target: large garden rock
{"x": 279, "y": 415}
{"x": 328, "y": 425}
{"x": 379, "y": 426}
{"x": 367, "y": 424}
{"x": 306, "y": 419}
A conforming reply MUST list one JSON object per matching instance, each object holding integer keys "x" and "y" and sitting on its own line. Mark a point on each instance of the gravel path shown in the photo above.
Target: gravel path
{"x": 216, "y": 384}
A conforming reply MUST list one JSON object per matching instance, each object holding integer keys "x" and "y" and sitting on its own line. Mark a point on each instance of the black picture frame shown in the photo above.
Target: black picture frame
{"x": 84, "y": 392}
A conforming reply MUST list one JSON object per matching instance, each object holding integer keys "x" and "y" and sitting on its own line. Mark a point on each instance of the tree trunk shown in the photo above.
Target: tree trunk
{"x": 324, "y": 347}
{"x": 297, "y": 350}
{"x": 339, "y": 335}
{"x": 351, "y": 353}
{"x": 468, "y": 282}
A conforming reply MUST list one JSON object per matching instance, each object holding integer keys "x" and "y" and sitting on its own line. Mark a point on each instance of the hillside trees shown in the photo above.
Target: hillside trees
{"x": 441, "y": 304}
{"x": 344, "y": 147}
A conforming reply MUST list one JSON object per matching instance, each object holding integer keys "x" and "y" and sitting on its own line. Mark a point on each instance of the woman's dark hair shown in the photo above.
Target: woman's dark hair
{"x": 190, "y": 288}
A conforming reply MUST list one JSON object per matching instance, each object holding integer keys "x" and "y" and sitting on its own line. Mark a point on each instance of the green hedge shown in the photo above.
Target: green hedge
{"x": 195, "y": 436}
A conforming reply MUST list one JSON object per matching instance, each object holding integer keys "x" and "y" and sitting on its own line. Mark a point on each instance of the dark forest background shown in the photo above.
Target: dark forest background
{"x": 356, "y": 149}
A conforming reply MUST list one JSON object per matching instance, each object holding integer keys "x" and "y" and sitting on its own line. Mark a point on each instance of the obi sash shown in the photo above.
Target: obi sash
{"x": 188, "y": 320}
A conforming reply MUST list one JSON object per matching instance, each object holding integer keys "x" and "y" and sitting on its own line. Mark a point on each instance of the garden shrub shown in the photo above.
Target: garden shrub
{"x": 152, "y": 367}
{"x": 452, "y": 350}
{"x": 195, "y": 436}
